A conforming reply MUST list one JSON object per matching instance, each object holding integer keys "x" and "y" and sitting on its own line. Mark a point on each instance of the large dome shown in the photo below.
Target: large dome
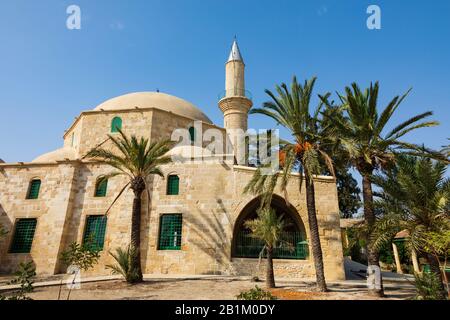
{"x": 157, "y": 100}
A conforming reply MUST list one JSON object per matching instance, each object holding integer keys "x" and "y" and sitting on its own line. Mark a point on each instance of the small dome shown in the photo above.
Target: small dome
{"x": 157, "y": 100}
{"x": 57, "y": 155}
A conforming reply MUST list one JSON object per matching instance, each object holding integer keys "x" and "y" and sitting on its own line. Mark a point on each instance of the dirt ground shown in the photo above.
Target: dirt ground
{"x": 211, "y": 289}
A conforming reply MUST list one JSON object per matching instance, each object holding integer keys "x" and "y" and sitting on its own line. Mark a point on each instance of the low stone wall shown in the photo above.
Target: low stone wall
{"x": 283, "y": 268}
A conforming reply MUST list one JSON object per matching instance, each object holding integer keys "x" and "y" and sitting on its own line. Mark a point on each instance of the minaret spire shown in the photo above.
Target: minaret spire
{"x": 235, "y": 54}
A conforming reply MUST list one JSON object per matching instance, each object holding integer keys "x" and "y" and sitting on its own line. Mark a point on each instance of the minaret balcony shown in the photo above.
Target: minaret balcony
{"x": 235, "y": 93}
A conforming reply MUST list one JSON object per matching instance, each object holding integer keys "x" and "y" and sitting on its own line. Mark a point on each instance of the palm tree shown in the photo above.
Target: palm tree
{"x": 291, "y": 109}
{"x": 137, "y": 159}
{"x": 416, "y": 197}
{"x": 268, "y": 228}
{"x": 361, "y": 135}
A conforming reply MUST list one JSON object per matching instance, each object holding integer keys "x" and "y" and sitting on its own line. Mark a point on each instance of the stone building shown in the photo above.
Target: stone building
{"x": 194, "y": 221}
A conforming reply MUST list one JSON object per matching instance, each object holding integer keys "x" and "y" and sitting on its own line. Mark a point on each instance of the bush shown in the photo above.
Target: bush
{"x": 123, "y": 266}
{"x": 83, "y": 256}
{"x": 256, "y": 294}
{"x": 24, "y": 276}
{"x": 428, "y": 287}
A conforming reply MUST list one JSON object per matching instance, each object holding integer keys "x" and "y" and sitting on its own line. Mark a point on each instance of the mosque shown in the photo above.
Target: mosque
{"x": 194, "y": 221}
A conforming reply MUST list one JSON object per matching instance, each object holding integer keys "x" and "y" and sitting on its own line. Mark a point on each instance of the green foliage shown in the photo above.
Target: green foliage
{"x": 362, "y": 130}
{"x": 267, "y": 227}
{"x": 416, "y": 196}
{"x": 256, "y": 294}
{"x": 437, "y": 243}
{"x": 124, "y": 259}
{"x": 428, "y": 287}
{"x": 24, "y": 277}
{"x": 83, "y": 256}
{"x": 348, "y": 193}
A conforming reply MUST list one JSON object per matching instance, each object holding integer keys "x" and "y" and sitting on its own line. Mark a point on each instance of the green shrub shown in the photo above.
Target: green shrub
{"x": 123, "y": 257}
{"x": 24, "y": 277}
{"x": 80, "y": 255}
{"x": 256, "y": 294}
{"x": 428, "y": 287}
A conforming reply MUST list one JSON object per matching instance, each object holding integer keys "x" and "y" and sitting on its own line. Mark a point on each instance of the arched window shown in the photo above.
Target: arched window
{"x": 173, "y": 185}
{"x": 116, "y": 124}
{"x": 100, "y": 187}
{"x": 33, "y": 189}
{"x": 192, "y": 133}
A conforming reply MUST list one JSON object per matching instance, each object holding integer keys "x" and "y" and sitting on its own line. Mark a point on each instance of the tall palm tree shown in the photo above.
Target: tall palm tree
{"x": 290, "y": 108}
{"x": 268, "y": 228}
{"x": 137, "y": 159}
{"x": 362, "y": 135}
{"x": 416, "y": 197}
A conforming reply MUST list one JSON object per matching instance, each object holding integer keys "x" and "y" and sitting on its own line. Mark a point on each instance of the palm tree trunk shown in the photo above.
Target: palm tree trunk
{"x": 138, "y": 186}
{"x": 270, "y": 278}
{"x": 436, "y": 269}
{"x": 314, "y": 234}
{"x": 369, "y": 215}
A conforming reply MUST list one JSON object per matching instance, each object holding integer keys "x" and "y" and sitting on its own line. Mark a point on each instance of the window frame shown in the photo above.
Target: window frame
{"x": 168, "y": 188}
{"x": 84, "y": 235}
{"x": 115, "y": 125}
{"x": 160, "y": 246}
{"x": 11, "y": 248}
{"x": 30, "y": 184}
{"x": 97, "y": 186}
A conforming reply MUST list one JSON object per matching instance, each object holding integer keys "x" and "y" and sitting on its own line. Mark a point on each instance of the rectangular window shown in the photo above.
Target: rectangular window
{"x": 33, "y": 189}
{"x": 170, "y": 232}
{"x": 23, "y": 236}
{"x": 173, "y": 185}
{"x": 94, "y": 232}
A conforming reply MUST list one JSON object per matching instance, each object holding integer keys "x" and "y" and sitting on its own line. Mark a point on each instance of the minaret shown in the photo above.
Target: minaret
{"x": 236, "y": 101}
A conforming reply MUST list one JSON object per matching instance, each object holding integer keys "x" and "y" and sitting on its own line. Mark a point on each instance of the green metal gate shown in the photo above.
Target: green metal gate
{"x": 292, "y": 246}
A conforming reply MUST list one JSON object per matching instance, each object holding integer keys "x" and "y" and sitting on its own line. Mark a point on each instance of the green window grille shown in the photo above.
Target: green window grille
{"x": 170, "y": 232}
{"x": 33, "y": 189}
{"x": 94, "y": 232}
{"x": 116, "y": 124}
{"x": 192, "y": 133}
{"x": 23, "y": 235}
{"x": 173, "y": 185}
{"x": 101, "y": 187}
{"x": 292, "y": 247}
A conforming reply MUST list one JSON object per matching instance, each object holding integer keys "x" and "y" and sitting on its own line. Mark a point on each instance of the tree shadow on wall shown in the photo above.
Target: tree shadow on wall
{"x": 210, "y": 234}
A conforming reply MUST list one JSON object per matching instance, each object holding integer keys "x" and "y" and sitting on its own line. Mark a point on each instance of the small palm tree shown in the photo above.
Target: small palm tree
{"x": 268, "y": 228}
{"x": 124, "y": 259}
{"x": 416, "y": 197}
{"x": 137, "y": 159}
{"x": 291, "y": 109}
{"x": 362, "y": 134}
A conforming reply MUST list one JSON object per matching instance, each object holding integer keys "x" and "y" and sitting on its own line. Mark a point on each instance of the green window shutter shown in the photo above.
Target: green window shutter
{"x": 192, "y": 133}
{"x": 23, "y": 236}
{"x": 173, "y": 185}
{"x": 116, "y": 124}
{"x": 101, "y": 187}
{"x": 94, "y": 232}
{"x": 170, "y": 232}
{"x": 33, "y": 189}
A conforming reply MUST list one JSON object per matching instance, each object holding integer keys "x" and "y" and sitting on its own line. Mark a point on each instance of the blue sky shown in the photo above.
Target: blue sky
{"x": 49, "y": 74}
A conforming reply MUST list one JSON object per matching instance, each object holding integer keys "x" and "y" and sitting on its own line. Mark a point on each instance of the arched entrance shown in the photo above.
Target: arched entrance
{"x": 294, "y": 244}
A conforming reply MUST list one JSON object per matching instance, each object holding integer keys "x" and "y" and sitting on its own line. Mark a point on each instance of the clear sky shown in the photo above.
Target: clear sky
{"x": 49, "y": 74}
